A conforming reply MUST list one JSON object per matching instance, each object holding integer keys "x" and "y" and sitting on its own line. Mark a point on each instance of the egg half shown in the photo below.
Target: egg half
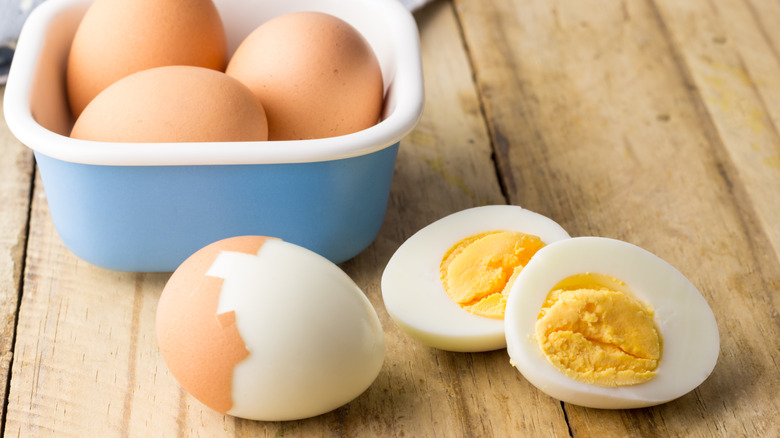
{"x": 263, "y": 329}
{"x": 426, "y": 283}
{"x": 602, "y": 323}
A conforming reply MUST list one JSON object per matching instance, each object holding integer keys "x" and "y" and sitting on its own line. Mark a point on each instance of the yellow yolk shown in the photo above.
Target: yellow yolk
{"x": 594, "y": 331}
{"x": 478, "y": 271}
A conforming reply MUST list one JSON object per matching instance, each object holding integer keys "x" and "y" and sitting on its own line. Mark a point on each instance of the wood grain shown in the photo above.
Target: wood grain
{"x": 16, "y": 163}
{"x": 733, "y": 68}
{"x": 604, "y": 119}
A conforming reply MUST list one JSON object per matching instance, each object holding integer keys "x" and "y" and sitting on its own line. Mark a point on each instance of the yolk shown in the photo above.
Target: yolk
{"x": 478, "y": 271}
{"x": 594, "y": 331}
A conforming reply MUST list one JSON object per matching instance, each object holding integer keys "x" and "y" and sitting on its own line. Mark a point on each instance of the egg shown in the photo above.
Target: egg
{"x": 447, "y": 284}
{"x": 263, "y": 329}
{"x": 173, "y": 104}
{"x": 602, "y": 323}
{"x": 119, "y": 37}
{"x": 314, "y": 73}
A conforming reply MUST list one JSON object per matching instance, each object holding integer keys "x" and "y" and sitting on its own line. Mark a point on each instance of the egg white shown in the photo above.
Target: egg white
{"x": 415, "y": 297}
{"x": 690, "y": 341}
{"x": 314, "y": 340}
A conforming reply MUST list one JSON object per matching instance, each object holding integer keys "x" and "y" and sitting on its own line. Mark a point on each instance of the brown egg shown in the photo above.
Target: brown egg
{"x": 119, "y": 37}
{"x": 173, "y": 104}
{"x": 314, "y": 73}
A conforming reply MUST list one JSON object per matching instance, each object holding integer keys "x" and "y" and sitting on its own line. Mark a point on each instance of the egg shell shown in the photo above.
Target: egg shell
{"x": 690, "y": 342}
{"x": 262, "y": 329}
{"x": 315, "y": 74}
{"x": 119, "y": 37}
{"x": 173, "y": 104}
{"x": 201, "y": 348}
{"x": 415, "y": 297}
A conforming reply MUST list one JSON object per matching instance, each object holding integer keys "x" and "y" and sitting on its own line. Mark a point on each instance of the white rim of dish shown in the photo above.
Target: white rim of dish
{"x": 407, "y": 85}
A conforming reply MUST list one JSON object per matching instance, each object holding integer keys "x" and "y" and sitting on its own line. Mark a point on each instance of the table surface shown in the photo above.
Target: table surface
{"x": 654, "y": 122}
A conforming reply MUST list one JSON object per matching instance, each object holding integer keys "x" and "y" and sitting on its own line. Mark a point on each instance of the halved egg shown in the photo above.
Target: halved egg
{"x": 602, "y": 323}
{"x": 447, "y": 285}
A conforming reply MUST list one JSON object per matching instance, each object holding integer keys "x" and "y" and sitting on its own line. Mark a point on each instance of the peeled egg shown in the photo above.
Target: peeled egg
{"x": 314, "y": 73}
{"x": 173, "y": 104}
{"x": 119, "y": 37}
{"x": 262, "y": 329}
{"x": 602, "y": 323}
{"x": 479, "y": 248}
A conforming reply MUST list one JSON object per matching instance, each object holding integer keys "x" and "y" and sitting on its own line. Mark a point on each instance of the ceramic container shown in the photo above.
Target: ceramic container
{"x": 145, "y": 207}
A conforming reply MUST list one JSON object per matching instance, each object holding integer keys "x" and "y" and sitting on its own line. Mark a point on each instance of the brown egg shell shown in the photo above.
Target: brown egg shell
{"x": 173, "y": 104}
{"x": 117, "y": 38}
{"x": 314, "y": 73}
{"x": 199, "y": 346}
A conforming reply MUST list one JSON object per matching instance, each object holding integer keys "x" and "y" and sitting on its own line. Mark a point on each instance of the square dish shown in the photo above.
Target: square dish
{"x": 145, "y": 207}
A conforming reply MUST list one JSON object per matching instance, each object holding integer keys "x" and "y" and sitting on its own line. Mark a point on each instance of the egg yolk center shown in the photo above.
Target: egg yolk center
{"x": 478, "y": 271}
{"x": 593, "y": 330}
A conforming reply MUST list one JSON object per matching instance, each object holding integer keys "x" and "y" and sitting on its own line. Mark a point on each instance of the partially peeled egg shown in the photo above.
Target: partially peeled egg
{"x": 602, "y": 323}
{"x": 263, "y": 329}
{"x": 447, "y": 284}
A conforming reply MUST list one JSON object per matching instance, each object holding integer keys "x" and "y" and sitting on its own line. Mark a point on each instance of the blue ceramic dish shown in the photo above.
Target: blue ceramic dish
{"x": 147, "y": 207}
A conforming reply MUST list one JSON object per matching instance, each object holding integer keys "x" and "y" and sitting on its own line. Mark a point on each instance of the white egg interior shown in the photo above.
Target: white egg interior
{"x": 413, "y": 292}
{"x": 690, "y": 342}
{"x": 314, "y": 340}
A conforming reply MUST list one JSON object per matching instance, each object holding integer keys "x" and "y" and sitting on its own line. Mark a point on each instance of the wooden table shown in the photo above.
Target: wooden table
{"x": 655, "y": 122}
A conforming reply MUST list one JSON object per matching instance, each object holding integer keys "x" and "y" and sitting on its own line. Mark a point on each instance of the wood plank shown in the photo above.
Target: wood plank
{"x": 733, "y": 60}
{"x": 596, "y": 124}
{"x": 16, "y": 169}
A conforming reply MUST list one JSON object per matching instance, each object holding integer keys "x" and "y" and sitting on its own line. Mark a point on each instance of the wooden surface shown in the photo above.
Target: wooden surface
{"x": 655, "y": 122}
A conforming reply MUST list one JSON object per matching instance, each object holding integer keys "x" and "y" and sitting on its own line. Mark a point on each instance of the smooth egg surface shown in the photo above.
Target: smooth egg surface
{"x": 262, "y": 329}
{"x": 118, "y": 37}
{"x": 314, "y": 73}
{"x": 412, "y": 287}
{"x": 650, "y": 288}
{"x": 173, "y": 104}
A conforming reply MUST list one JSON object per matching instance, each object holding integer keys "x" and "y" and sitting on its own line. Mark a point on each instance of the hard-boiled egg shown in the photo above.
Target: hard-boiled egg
{"x": 602, "y": 323}
{"x": 263, "y": 329}
{"x": 447, "y": 284}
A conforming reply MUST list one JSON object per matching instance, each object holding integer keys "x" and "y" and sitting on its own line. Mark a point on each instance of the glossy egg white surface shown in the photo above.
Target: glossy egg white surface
{"x": 690, "y": 342}
{"x": 314, "y": 340}
{"x": 415, "y": 297}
